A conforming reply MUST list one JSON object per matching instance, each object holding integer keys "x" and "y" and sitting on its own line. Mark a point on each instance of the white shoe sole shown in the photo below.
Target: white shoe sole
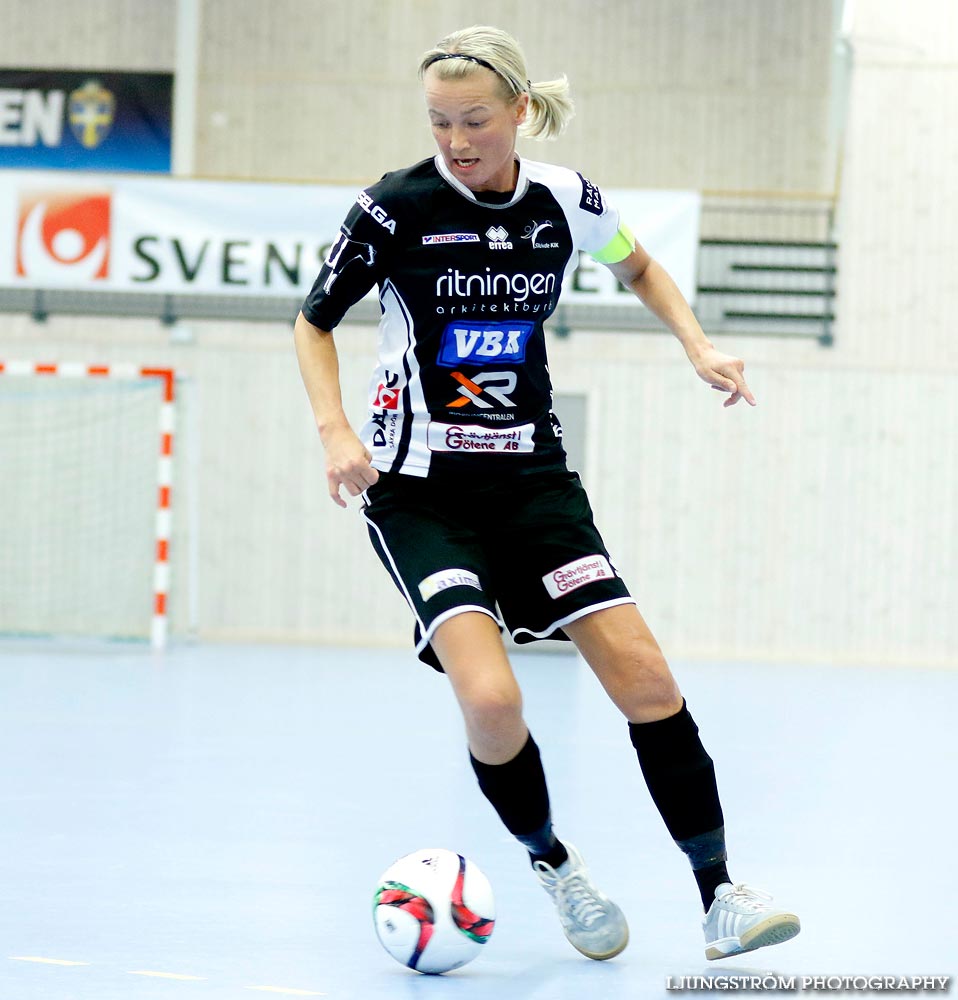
{"x": 601, "y": 957}
{"x": 775, "y": 929}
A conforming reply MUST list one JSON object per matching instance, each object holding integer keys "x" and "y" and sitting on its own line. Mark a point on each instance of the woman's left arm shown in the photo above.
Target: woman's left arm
{"x": 659, "y": 293}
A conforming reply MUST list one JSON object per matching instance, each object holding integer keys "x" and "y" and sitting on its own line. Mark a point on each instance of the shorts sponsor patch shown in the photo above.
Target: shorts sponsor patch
{"x": 476, "y": 438}
{"x": 428, "y": 241}
{"x": 591, "y": 200}
{"x": 577, "y": 574}
{"x": 445, "y": 579}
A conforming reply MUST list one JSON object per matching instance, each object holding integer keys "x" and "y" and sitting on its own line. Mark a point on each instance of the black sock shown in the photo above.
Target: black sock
{"x": 518, "y": 793}
{"x": 553, "y": 856}
{"x": 709, "y": 879}
{"x": 681, "y": 779}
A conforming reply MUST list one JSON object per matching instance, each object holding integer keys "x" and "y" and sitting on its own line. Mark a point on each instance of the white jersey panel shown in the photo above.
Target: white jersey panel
{"x": 592, "y": 220}
{"x": 397, "y": 402}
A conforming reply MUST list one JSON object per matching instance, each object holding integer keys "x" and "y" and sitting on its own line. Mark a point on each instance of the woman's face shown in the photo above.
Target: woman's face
{"x": 475, "y": 128}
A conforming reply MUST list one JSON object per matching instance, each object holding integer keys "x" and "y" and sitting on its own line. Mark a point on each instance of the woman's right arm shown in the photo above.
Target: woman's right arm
{"x": 347, "y": 460}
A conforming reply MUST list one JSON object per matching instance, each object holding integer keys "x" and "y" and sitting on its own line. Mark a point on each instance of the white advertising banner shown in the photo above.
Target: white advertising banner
{"x": 116, "y": 233}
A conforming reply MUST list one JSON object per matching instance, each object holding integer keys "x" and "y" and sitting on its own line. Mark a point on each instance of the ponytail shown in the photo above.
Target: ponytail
{"x": 550, "y": 109}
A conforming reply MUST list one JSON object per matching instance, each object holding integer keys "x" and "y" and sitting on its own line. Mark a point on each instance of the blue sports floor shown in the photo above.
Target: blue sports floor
{"x": 220, "y": 814}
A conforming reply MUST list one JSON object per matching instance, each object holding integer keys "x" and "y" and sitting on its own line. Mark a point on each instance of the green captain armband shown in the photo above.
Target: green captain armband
{"x": 618, "y": 248}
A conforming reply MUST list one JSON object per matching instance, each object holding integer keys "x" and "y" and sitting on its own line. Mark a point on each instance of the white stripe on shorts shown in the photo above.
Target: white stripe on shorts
{"x": 451, "y": 613}
{"x": 581, "y": 613}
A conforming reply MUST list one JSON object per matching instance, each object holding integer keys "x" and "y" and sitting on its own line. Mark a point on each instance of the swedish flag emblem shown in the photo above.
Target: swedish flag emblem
{"x": 91, "y": 109}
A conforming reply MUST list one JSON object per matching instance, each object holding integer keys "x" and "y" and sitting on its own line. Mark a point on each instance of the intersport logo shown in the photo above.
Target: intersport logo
{"x": 64, "y": 236}
{"x": 440, "y": 238}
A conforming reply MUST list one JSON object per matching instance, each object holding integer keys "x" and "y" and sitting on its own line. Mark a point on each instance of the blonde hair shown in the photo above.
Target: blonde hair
{"x": 457, "y": 56}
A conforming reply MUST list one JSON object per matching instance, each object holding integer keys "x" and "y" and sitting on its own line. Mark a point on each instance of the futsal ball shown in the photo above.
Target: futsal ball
{"x": 433, "y": 910}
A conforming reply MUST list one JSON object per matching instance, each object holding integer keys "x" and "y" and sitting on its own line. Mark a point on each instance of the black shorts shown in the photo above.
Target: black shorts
{"x": 524, "y": 551}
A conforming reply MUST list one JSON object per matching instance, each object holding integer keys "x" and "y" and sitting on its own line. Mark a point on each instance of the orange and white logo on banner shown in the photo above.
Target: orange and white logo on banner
{"x": 64, "y": 236}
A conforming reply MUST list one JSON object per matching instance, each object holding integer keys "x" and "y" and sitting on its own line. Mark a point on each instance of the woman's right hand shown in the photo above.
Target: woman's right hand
{"x": 347, "y": 463}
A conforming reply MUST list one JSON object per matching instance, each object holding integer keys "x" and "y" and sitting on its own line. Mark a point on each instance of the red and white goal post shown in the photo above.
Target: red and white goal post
{"x": 86, "y": 469}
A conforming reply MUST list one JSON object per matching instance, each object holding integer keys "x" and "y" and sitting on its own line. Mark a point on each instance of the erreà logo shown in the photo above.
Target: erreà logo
{"x": 64, "y": 236}
{"x": 498, "y": 238}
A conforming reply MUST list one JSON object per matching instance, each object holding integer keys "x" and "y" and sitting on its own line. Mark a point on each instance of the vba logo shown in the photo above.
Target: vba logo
{"x": 64, "y": 236}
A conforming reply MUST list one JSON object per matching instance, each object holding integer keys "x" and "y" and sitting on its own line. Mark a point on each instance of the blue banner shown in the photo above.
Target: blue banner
{"x": 86, "y": 120}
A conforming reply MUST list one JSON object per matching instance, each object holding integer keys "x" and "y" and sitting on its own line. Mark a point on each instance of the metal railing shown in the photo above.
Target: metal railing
{"x": 768, "y": 265}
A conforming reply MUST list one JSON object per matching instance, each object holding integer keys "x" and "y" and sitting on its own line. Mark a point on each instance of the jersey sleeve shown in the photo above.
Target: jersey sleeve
{"x": 354, "y": 263}
{"x": 595, "y": 222}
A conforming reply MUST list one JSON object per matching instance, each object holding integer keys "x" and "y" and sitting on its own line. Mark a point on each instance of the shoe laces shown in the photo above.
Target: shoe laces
{"x": 575, "y": 894}
{"x": 748, "y": 897}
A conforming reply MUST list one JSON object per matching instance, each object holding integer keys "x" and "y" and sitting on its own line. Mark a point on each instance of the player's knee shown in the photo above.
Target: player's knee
{"x": 492, "y": 709}
{"x": 648, "y": 690}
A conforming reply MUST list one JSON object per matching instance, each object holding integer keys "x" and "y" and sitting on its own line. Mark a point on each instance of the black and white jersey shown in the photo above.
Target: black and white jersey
{"x": 462, "y": 381}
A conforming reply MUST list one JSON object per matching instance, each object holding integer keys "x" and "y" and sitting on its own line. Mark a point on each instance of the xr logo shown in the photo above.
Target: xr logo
{"x": 485, "y": 385}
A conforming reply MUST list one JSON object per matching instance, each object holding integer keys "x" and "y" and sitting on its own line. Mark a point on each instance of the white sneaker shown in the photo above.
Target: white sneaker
{"x": 743, "y": 919}
{"x": 593, "y": 924}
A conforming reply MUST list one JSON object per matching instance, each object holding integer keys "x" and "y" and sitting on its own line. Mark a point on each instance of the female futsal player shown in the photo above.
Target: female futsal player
{"x": 468, "y": 499}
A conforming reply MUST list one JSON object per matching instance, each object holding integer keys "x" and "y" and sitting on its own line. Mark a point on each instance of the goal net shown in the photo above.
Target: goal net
{"x": 85, "y": 493}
